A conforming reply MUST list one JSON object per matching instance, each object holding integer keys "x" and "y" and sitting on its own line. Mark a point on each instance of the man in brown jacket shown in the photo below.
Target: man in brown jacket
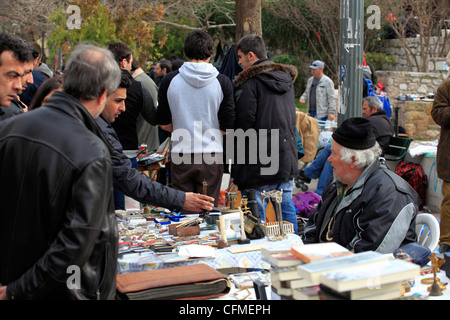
{"x": 441, "y": 115}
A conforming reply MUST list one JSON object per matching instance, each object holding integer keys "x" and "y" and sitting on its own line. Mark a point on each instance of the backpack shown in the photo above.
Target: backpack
{"x": 413, "y": 173}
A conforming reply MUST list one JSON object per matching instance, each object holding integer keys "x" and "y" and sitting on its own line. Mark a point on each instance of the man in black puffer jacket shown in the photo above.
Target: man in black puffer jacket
{"x": 265, "y": 110}
{"x": 58, "y": 235}
{"x": 366, "y": 206}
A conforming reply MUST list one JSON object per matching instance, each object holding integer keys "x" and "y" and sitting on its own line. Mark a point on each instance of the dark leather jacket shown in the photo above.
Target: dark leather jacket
{"x": 58, "y": 226}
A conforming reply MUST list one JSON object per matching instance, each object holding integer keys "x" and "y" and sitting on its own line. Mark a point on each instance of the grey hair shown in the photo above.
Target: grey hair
{"x": 363, "y": 158}
{"x": 90, "y": 71}
{"x": 374, "y": 102}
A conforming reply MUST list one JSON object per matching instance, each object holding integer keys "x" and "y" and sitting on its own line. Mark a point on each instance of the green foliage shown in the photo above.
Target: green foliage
{"x": 100, "y": 26}
{"x": 97, "y": 28}
{"x": 380, "y": 60}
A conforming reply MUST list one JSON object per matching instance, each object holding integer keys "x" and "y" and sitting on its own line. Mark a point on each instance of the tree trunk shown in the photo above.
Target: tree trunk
{"x": 248, "y": 18}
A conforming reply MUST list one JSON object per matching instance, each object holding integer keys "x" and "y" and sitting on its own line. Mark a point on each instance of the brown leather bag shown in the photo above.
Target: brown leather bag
{"x": 197, "y": 281}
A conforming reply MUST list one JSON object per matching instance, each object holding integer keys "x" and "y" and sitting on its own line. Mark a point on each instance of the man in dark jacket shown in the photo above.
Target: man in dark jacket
{"x": 382, "y": 126}
{"x": 139, "y": 102}
{"x": 58, "y": 236}
{"x": 265, "y": 109}
{"x": 128, "y": 180}
{"x": 366, "y": 206}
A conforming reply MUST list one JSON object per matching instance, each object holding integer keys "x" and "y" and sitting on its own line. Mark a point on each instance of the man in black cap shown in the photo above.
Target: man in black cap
{"x": 367, "y": 206}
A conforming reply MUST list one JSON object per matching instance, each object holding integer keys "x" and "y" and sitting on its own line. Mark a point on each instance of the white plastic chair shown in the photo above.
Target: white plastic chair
{"x": 427, "y": 230}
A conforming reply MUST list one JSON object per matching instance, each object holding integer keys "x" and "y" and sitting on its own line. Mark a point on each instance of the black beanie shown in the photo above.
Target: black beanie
{"x": 355, "y": 133}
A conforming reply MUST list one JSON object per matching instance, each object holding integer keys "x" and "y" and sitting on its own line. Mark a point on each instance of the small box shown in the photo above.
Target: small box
{"x": 184, "y": 231}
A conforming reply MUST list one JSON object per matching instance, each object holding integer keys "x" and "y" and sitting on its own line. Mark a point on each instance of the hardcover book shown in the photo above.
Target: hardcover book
{"x": 312, "y": 271}
{"x": 370, "y": 276}
{"x": 309, "y": 253}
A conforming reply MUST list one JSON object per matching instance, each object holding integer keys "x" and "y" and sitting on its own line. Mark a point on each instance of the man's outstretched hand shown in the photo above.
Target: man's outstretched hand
{"x": 198, "y": 202}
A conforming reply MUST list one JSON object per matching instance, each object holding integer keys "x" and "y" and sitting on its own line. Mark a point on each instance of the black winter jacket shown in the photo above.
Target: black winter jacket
{"x": 265, "y": 101}
{"x": 382, "y": 129}
{"x": 378, "y": 213}
{"x": 58, "y": 226}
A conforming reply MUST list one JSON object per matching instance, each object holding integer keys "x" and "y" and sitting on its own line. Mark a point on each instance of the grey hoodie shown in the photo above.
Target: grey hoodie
{"x": 197, "y": 98}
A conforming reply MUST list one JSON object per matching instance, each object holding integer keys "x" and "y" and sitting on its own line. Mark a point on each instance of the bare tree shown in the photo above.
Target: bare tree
{"x": 317, "y": 21}
{"x": 422, "y": 19}
{"x": 26, "y": 18}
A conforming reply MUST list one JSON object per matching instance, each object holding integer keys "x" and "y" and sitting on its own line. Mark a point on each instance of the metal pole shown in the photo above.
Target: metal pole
{"x": 351, "y": 59}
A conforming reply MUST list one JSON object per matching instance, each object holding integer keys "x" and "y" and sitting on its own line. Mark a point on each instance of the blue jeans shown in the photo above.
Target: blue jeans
{"x": 288, "y": 210}
{"x": 314, "y": 115}
{"x": 119, "y": 197}
{"x": 321, "y": 168}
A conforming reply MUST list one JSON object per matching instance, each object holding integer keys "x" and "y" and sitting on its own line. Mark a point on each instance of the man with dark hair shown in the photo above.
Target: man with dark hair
{"x": 16, "y": 106}
{"x": 265, "y": 106}
{"x": 128, "y": 180}
{"x": 14, "y": 53}
{"x": 38, "y": 78}
{"x": 196, "y": 104}
{"x": 162, "y": 68}
{"x": 139, "y": 102}
{"x": 366, "y": 206}
{"x": 56, "y": 189}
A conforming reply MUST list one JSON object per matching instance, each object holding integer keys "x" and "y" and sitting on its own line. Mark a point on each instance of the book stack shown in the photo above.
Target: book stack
{"x": 284, "y": 274}
{"x": 380, "y": 280}
{"x": 328, "y": 271}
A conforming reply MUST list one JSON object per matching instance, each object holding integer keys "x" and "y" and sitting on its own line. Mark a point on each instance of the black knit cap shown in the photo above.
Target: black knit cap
{"x": 355, "y": 133}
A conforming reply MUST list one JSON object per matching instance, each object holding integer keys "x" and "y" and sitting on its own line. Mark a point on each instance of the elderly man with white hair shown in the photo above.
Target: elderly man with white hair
{"x": 367, "y": 206}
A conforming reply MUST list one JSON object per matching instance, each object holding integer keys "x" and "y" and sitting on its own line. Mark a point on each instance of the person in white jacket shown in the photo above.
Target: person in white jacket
{"x": 319, "y": 94}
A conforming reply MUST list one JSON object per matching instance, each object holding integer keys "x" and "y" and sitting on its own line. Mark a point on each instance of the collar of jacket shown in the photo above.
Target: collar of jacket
{"x": 262, "y": 66}
{"x": 64, "y": 102}
{"x": 355, "y": 190}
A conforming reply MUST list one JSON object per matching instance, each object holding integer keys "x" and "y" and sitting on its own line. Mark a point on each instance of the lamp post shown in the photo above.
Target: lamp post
{"x": 351, "y": 59}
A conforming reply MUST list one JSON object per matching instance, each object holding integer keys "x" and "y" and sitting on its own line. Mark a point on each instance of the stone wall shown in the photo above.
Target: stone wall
{"x": 414, "y": 116}
{"x": 395, "y": 47}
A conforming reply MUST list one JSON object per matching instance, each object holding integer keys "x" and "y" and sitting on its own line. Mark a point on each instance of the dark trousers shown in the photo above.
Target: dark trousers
{"x": 189, "y": 175}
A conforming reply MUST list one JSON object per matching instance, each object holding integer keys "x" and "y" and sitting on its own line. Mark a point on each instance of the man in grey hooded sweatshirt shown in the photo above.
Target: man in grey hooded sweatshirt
{"x": 196, "y": 104}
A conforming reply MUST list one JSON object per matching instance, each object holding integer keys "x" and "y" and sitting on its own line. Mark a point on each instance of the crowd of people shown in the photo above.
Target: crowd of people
{"x": 68, "y": 157}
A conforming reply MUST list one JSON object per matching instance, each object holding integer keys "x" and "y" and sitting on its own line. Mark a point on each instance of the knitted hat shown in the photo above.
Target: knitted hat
{"x": 355, "y": 133}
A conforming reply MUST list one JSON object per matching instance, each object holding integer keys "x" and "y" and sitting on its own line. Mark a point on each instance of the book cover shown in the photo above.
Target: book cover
{"x": 280, "y": 257}
{"x": 284, "y": 273}
{"x": 312, "y": 271}
{"x": 306, "y": 293}
{"x": 385, "y": 291}
{"x": 309, "y": 253}
{"x": 370, "y": 275}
